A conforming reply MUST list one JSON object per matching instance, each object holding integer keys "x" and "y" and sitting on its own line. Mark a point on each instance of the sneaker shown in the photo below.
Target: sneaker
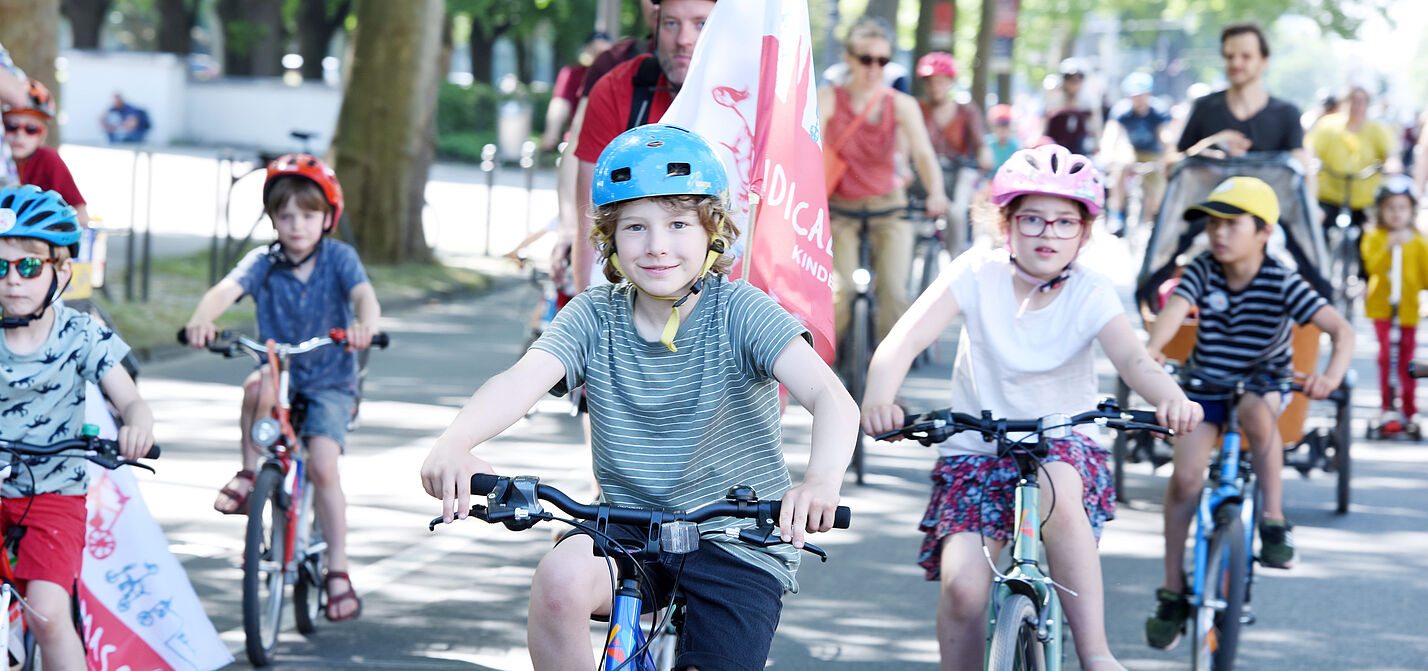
{"x": 1163, "y": 629}
{"x": 1276, "y": 543}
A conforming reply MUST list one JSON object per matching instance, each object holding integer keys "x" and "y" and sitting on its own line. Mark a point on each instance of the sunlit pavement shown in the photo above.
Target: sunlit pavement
{"x": 456, "y": 598}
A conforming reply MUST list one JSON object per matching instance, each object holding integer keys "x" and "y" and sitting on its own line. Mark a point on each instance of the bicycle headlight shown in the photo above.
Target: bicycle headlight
{"x": 265, "y": 432}
{"x": 1056, "y": 426}
{"x": 862, "y": 279}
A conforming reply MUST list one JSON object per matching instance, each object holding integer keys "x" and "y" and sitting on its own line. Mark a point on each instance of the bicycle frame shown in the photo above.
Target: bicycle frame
{"x": 287, "y": 453}
{"x": 1025, "y": 575}
{"x": 1228, "y": 487}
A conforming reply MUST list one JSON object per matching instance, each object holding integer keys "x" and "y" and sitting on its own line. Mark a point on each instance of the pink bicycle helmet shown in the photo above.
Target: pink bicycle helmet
{"x": 937, "y": 63}
{"x": 1051, "y": 170}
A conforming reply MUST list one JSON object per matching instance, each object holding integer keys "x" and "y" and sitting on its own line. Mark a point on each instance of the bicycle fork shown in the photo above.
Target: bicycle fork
{"x": 1025, "y": 576}
{"x": 626, "y": 637}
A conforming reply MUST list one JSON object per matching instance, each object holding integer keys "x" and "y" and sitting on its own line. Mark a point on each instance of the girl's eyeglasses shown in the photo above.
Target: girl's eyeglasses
{"x": 867, "y": 60}
{"x": 29, "y": 129}
{"x": 1033, "y": 226}
{"x": 28, "y": 267}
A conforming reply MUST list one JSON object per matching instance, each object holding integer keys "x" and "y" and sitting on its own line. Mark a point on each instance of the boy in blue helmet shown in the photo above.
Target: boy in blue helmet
{"x": 47, "y": 353}
{"x": 681, "y": 368}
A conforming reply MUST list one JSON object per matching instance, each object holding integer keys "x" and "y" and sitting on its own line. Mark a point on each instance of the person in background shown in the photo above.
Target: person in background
{"x": 26, "y": 127}
{"x": 1346, "y": 143}
{"x": 1002, "y": 140}
{"x": 1134, "y": 136}
{"x": 565, "y": 94}
{"x": 123, "y": 122}
{"x": 957, "y": 134}
{"x": 1073, "y": 122}
{"x": 13, "y": 91}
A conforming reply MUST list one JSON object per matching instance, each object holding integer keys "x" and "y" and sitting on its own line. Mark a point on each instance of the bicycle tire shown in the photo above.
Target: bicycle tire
{"x": 1343, "y": 465}
{"x": 1215, "y": 627}
{"x": 861, "y": 346}
{"x": 308, "y": 592}
{"x": 1014, "y": 645}
{"x": 263, "y": 573}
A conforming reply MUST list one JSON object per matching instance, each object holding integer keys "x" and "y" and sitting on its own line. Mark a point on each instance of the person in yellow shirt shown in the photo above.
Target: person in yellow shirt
{"x": 1346, "y": 143}
{"x": 1396, "y": 259}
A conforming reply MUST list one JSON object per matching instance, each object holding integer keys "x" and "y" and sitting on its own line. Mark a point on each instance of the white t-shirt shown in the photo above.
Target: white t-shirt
{"x": 1023, "y": 368}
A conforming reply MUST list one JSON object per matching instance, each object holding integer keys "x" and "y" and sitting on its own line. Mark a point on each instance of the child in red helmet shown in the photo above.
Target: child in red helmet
{"x": 304, "y": 285}
{"x": 25, "y": 131}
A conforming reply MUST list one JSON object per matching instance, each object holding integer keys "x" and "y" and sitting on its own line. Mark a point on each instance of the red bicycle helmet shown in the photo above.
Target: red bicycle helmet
{"x": 937, "y": 63}
{"x": 39, "y": 102}
{"x": 309, "y": 167}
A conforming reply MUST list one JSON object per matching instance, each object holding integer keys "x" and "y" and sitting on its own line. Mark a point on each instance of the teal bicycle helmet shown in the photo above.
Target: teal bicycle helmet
{"x": 28, "y": 212}
{"x": 657, "y": 160}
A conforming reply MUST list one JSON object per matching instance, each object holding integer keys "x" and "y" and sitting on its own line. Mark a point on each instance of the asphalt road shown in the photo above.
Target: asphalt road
{"x": 456, "y": 598}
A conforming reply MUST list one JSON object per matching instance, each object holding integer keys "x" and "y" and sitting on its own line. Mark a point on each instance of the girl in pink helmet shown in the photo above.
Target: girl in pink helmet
{"x": 1031, "y": 315}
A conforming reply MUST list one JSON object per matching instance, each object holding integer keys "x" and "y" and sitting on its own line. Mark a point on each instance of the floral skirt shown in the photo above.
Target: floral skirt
{"x": 975, "y": 493}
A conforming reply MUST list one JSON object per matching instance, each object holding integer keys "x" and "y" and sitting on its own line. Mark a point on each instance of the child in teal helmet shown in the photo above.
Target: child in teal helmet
{"x": 47, "y": 354}
{"x": 681, "y": 368}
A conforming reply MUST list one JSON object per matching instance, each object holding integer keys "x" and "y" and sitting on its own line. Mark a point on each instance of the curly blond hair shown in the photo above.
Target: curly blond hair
{"x": 709, "y": 209}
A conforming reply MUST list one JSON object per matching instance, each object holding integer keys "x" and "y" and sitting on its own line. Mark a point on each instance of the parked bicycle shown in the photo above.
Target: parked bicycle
{"x": 1025, "y": 626}
{"x": 516, "y": 503}
{"x": 284, "y": 543}
{"x": 861, "y": 338}
{"x": 13, "y": 608}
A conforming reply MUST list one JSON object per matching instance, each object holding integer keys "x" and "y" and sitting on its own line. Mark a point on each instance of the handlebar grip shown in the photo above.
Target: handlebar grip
{"x": 1141, "y": 416}
{"x": 483, "y": 483}
{"x": 153, "y": 453}
{"x": 182, "y": 336}
{"x": 841, "y": 517}
{"x": 1418, "y": 368}
{"x": 381, "y": 340}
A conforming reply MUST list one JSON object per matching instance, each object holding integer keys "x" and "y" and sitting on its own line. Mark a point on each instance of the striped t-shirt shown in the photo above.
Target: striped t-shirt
{"x": 1247, "y": 331}
{"x": 678, "y": 429}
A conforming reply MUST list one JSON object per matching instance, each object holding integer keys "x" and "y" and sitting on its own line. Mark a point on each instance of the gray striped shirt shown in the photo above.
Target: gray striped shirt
{"x": 678, "y": 429}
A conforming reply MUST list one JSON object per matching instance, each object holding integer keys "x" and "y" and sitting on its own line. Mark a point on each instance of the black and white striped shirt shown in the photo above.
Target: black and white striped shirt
{"x": 1247, "y": 331}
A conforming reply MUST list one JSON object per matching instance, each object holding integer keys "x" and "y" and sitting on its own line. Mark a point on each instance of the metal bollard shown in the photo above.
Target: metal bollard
{"x": 528, "y": 153}
{"x": 488, "y": 165}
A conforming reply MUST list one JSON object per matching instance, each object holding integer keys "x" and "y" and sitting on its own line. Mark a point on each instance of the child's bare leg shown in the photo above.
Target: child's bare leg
{"x": 257, "y": 402}
{"x": 1182, "y": 493}
{"x": 58, "y": 641}
{"x": 1259, "y": 416}
{"x": 569, "y": 585}
{"x": 962, "y": 602}
{"x": 1075, "y": 561}
{"x": 331, "y": 508}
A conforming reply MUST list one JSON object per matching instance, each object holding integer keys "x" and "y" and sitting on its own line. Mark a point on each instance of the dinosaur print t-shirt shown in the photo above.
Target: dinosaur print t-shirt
{"x": 42, "y": 400}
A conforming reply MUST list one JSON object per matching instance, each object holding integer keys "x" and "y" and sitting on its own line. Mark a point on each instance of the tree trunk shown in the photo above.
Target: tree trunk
{"x": 885, "y": 10}
{"x": 480, "y": 49}
{"x": 415, "y": 243}
{"x": 315, "y": 27}
{"x": 253, "y": 37}
{"x": 986, "y": 43}
{"x": 30, "y": 32}
{"x": 385, "y": 119}
{"x": 176, "y": 21}
{"x": 86, "y": 18}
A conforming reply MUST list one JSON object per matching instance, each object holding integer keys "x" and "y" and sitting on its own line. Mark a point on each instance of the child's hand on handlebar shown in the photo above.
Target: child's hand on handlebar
{"x": 135, "y": 440}
{"x": 359, "y": 336}
{"x": 808, "y": 507}
{"x": 1179, "y": 415}
{"x": 199, "y": 334}
{"x": 446, "y": 475}
{"x": 878, "y": 419}
{"x": 1318, "y": 387}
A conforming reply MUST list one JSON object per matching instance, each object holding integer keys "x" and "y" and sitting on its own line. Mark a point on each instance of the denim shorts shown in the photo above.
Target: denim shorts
{"x": 1216, "y": 406}
{"x": 731, "y": 608}
{"x": 327, "y": 415}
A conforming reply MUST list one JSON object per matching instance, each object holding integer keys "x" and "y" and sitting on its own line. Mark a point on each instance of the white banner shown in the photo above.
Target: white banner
{"x": 140, "y": 611}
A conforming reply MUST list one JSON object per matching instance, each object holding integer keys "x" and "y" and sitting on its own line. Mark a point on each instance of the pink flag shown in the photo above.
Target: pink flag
{"x": 750, "y": 92}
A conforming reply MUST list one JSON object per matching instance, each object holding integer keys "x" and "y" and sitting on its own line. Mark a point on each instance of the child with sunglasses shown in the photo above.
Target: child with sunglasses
{"x": 48, "y": 353}
{"x": 26, "y": 127}
{"x": 304, "y": 285}
{"x": 1031, "y": 316}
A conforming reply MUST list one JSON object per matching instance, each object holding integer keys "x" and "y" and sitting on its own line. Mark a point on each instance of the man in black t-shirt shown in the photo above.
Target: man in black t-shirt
{"x": 1244, "y": 117}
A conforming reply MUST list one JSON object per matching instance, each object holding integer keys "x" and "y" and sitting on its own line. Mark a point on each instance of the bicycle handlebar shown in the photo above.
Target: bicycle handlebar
{"x": 102, "y": 451}
{"x": 231, "y": 344}
{"x": 939, "y": 425}
{"x": 1201, "y": 381}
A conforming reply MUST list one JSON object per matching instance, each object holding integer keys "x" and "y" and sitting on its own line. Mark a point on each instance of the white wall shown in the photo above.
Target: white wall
{"x": 251, "y": 113}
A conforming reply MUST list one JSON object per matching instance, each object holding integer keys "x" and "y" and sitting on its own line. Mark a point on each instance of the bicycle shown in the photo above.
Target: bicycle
{"x": 1024, "y": 627}
{"x": 1343, "y": 242}
{"x": 102, "y": 451}
{"x": 515, "y": 502}
{"x": 862, "y": 324}
{"x": 1225, "y": 520}
{"x": 283, "y": 543}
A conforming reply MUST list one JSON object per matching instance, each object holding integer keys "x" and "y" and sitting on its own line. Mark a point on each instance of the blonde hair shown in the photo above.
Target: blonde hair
{"x": 710, "y": 210}
{"x": 868, "y": 27}
{"x": 39, "y": 246}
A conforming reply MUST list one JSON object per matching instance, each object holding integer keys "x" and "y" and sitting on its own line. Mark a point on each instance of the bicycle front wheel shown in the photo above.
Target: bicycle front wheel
{"x": 263, "y": 570}
{"x": 1217, "y": 620}
{"x": 1014, "y": 645}
{"x": 307, "y": 589}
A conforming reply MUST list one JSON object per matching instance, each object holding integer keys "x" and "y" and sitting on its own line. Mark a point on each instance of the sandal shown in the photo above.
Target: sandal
{"x": 239, "y": 499}
{"x": 339, "y": 599}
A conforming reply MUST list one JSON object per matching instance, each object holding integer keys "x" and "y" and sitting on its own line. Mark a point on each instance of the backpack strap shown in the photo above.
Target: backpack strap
{"x": 646, "y": 81}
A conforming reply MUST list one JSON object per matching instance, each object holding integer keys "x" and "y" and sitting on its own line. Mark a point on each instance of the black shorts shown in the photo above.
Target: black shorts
{"x": 731, "y": 608}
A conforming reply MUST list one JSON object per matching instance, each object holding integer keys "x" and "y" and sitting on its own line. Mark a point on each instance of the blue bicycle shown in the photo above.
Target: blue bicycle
{"x": 515, "y": 502}
{"x": 1225, "y": 520}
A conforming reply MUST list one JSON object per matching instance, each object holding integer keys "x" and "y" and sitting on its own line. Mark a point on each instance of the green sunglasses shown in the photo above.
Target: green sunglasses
{"x": 28, "y": 267}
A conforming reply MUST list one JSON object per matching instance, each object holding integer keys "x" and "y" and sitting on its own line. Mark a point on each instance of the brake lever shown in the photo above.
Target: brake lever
{"x": 135, "y": 464}
{"x": 766, "y": 536}
{"x": 478, "y": 511}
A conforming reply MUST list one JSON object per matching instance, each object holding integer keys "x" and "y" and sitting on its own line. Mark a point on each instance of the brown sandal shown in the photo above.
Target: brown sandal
{"x": 339, "y": 599}
{"x": 239, "y": 499}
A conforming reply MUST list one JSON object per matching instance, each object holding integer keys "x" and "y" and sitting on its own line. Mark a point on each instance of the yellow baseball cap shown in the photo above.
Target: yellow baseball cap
{"x": 1236, "y": 196}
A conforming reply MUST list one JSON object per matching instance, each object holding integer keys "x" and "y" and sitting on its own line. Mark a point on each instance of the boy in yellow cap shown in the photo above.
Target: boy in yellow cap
{"x": 1246, "y": 300}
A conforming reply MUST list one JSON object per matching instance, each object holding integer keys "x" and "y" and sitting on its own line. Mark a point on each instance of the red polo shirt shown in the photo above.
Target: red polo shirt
{"x": 608, "y": 112}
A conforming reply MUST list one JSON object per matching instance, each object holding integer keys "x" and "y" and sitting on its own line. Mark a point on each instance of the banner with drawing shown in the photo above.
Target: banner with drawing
{"x": 138, "y": 609}
{"x": 750, "y": 91}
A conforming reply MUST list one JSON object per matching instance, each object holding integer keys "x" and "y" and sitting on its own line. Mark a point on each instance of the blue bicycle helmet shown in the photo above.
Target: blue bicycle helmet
{"x": 1137, "y": 83}
{"x": 657, "y": 160}
{"x": 28, "y": 212}
{"x": 1396, "y": 185}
